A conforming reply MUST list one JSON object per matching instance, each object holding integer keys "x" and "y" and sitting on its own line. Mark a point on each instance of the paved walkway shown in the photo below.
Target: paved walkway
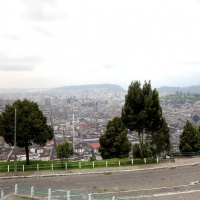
{"x": 179, "y": 162}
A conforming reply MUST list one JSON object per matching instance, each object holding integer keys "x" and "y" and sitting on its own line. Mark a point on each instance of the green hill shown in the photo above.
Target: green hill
{"x": 173, "y": 90}
{"x": 112, "y": 87}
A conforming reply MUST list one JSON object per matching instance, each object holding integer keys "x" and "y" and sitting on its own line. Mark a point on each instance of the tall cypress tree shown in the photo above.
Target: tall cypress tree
{"x": 142, "y": 111}
{"x": 114, "y": 143}
{"x": 190, "y": 138}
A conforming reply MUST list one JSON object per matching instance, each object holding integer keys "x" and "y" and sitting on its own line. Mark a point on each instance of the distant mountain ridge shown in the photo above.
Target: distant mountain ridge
{"x": 173, "y": 90}
{"x": 112, "y": 87}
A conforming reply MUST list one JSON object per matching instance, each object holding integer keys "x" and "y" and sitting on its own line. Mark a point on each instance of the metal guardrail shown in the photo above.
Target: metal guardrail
{"x": 179, "y": 154}
{"x": 51, "y": 194}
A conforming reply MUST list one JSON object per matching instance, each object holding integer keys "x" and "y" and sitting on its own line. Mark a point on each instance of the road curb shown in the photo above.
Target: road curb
{"x": 99, "y": 172}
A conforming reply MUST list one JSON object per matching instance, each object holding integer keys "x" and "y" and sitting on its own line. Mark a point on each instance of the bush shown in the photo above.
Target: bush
{"x": 147, "y": 151}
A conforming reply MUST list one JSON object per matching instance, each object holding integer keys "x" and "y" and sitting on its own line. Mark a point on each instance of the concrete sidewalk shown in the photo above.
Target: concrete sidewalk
{"x": 179, "y": 162}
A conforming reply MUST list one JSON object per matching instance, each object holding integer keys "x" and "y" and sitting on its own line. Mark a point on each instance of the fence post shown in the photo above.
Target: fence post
{"x": 32, "y": 191}
{"x": 65, "y": 165}
{"x": 23, "y": 168}
{"x": 119, "y": 162}
{"x": 145, "y": 160}
{"x": 37, "y": 166}
{"x": 49, "y": 194}
{"x": 2, "y": 194}
{"x": 89, "y": 196}
{"x": 106, "y": 163}
{"x": 52, "y": 166}
{"x": 68, "y": 195}
{"x": 16, "y": 188}
{"x": 132, "y": 161}
{"x": 79, "y": 164}
{"x": 93, "y": 164}
{"x": 8, "y": 168}
{"x": 113, "y": 198}
{"x": 157, "y": 159}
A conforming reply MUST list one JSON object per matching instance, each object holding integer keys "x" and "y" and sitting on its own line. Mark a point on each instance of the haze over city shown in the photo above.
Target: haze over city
{"x": 53, "y": 43}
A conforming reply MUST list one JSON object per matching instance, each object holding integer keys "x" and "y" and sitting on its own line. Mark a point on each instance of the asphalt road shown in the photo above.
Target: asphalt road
{"x": 133, "y": 184}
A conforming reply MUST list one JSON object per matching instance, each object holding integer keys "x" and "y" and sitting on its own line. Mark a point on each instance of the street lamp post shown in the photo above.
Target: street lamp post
{"x": 73, "y": 136}
{"x": 63, "y": 134}
{"x": 15, "y": 156}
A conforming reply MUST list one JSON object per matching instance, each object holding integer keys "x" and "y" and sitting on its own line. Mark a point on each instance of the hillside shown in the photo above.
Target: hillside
{"x": 173, "y": 90}
{"x": 112, "y": 87}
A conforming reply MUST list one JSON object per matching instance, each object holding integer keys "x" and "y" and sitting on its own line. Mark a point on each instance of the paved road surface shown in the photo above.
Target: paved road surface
{"x": 138, "y": 182}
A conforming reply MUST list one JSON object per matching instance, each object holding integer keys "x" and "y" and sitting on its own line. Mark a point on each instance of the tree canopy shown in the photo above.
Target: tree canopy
{"x": 147, "y": 151}
{"x": 64, "y": 150}
{"x": 31, "y": 125}
{"x": 160, "y": 140}
{"x": 114, "y": 143}
{"x": 190, "y": 138}
{"x": 142, "y": 111}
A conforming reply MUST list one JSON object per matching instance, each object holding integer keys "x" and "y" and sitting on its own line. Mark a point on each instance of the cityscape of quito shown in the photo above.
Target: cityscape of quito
{"x": 79, "y": 115}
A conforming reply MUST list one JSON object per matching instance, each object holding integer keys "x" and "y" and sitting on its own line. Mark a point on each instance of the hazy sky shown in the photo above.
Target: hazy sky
{"x": 52, "y": 43}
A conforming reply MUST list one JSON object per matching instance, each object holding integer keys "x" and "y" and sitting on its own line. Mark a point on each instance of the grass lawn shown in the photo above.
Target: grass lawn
{"x": 57, "y": 165}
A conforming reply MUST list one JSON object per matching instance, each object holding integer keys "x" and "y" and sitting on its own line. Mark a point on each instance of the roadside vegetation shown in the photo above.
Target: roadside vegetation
{"x": 68, "y": 165}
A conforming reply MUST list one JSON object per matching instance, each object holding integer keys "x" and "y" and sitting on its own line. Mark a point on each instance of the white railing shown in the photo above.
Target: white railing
{"x": 51, "y": 194}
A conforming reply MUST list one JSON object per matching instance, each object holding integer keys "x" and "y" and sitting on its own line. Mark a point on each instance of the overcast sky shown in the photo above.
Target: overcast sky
{"x": 52, "y": 43}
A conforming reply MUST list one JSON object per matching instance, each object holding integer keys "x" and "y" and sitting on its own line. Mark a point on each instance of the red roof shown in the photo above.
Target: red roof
{"x": 84, "y": 125}
{"x": 95, "y": 145}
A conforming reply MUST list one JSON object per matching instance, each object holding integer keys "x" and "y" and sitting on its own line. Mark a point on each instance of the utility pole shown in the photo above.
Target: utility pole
{"x": 15, "y": 156}
{"x": 63, "y": 134}
{"x": 73, "y": 136}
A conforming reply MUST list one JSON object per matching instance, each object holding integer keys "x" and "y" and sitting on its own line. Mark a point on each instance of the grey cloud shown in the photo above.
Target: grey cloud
{"x": 27, "y": 63}
{"x": 39, "y": 15}
{"x": 108, "y": 66}
{"x": 12, "y": 37}
{"x": 43, "y": 31}
{"x": 192, "y": 63}
{"x": 182, "y": 80}
{"x": 36, "y": 10}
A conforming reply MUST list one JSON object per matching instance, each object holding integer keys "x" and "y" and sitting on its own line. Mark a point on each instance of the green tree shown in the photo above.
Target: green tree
{"x": 142, "y": 111}
{"x": 136, "y": 151}
{"x": 147, "y": 152}
{"x": 196, "y": 118}
{"x": 114, "y": 143}
{"x": 190, "y": 138}
{"x": 160, "y": 140}
{"x": 64, "y": 150}
{"x": 31, "y": 125}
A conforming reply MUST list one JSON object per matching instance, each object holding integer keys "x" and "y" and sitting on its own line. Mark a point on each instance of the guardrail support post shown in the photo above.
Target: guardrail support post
{"x": 89, "y": 197}
{"x": 68, "y": 195}
{"x": 157, "y": 159}
{"x": 106, "y": 163}
{"x": 93, "y": 164}
{"x": 132, "y": 161}
{"x": 32, "y": 191}
{"x": 37, "y": 166}
{"x": 145, "y": 160}
{"x": 79, "y": 164}
{"x": 16, "y": 189}
{"x": 49, "y": 194}
{"x": 2, "y": 194}
{"x": 65, "y": 165}
{"x": 23, "y": 168}
{"x": 8, "y": 168}
{"x": 52, "y": 166}
{"x": 119, "y": 162}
